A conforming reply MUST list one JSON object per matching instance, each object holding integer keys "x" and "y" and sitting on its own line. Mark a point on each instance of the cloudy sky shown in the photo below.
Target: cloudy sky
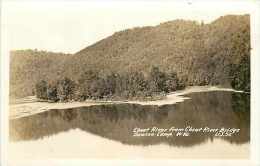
{"x": 63, "y": 26}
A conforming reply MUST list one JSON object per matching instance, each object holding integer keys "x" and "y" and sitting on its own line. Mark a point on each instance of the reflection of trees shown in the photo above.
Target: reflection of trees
{"x": 241, "y": 107}
{"x": 116, "y": 122}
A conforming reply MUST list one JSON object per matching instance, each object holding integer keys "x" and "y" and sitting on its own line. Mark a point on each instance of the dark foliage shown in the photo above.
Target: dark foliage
{"x": 65, "y": 89}
{"x": 111, "y": 86}
{"x": 41, "y": 89}
{"x": 240, "y": 75}
{"x": 52, "y": 93}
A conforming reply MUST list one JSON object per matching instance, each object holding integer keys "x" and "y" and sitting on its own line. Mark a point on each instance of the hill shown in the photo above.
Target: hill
{"x": 29, "y": 66}
{"x": 199, "y": 53}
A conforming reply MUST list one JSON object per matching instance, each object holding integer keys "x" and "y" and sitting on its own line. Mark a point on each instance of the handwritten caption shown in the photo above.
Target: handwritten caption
{"x": 183, "y": 132}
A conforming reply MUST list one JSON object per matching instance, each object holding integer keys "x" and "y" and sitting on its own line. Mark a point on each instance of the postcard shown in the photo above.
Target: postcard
{"x": 129, "y": 82}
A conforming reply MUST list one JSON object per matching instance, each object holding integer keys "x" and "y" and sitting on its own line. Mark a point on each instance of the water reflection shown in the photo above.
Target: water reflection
{"x": 116, "y": 122}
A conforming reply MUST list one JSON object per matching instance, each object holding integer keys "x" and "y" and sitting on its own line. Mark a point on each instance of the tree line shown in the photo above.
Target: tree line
{"x": 93, "y": 85}
{"x": 240, "y": 75}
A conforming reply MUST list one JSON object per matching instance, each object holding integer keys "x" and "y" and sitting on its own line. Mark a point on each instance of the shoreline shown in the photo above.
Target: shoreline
{"x": 29, "y": 105}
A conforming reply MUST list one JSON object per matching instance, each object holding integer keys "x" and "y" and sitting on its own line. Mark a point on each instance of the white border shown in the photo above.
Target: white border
{"x": 255, "y": 95}
{"x": 255, "y": 82}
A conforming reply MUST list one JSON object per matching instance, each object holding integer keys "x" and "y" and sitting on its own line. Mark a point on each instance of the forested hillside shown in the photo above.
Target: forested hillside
{"x": 198, "y": 54}
{"x": 29, "y": 66}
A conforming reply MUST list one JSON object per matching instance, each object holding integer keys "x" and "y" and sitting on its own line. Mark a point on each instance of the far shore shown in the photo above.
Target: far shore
{"x": 30, "y": 105}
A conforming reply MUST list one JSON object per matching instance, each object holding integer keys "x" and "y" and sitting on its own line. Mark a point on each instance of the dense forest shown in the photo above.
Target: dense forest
{"x": 93, "y": 85}
{"x": 181, "y": 53}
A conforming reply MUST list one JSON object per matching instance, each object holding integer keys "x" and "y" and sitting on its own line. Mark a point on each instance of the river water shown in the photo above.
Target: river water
{"x": 109, "y": 130}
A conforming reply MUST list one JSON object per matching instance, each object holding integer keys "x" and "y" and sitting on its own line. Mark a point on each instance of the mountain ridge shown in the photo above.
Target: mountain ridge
{"x": 201, "y": 54}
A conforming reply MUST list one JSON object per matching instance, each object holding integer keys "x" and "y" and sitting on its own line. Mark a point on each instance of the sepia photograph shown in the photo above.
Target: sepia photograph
{"x": 117, "y": 80}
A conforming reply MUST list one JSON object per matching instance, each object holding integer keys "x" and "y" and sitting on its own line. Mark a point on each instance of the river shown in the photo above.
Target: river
{"x": 109, "y": 130}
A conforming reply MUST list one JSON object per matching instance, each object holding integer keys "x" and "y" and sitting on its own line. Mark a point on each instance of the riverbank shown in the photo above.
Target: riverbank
{"x": 30, "y": 105}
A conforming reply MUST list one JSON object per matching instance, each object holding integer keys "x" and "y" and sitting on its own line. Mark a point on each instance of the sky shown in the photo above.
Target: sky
{"x": 69, "y": 26}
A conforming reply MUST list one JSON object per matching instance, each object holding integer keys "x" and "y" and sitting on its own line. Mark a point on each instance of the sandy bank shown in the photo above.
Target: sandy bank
{"x": 30, "y": 105}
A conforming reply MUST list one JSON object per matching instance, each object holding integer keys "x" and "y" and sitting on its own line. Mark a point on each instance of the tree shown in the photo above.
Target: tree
{"x": 65, "y": 89}
{"x": 240, "y": 74}
{"x": 157, "y": 80}
{"x": 41, "y": 89}
{"x": 110, "y": 84}
{"x": 137, "y": 84}
{"x": 85, "y": 83}
{"x": 98, "y": 88}
{"x": 52, "y": 92}
{"x": 172, "y": 82}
